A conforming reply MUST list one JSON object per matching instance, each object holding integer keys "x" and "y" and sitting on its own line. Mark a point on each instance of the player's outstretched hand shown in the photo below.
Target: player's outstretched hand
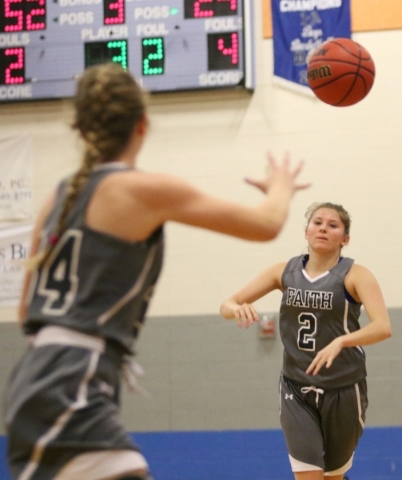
{"x": 281, "y": 175}
{"x": 245, "y": 315}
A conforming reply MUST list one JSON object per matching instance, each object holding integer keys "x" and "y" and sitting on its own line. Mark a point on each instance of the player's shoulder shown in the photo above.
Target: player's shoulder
{"x": 359, "y": 272}
{"x": 358, "y": 279}
{"x": 360, "y": 269}
{"x": 276, "y": 269}
{"x": 149, "y": 179}
{"x": 156, "y": 190}
{"x": 280, "y": 266}
{"x": 137, "y": 179}
{"x": 294, "y": 263}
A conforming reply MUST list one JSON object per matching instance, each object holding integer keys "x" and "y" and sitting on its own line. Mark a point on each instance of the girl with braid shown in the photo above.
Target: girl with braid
{"x": 97, "y": 251}
{"x": 323, "y": 391}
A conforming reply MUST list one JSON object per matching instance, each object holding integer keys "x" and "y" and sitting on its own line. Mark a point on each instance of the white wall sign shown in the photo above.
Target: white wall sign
{"x": 16, "y": 178}
{"x": 14, "y": 248}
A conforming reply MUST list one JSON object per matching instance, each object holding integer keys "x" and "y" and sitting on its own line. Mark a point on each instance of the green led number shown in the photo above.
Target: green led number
{"x": 153, "y": 56}
{"x": 120, "y": 57}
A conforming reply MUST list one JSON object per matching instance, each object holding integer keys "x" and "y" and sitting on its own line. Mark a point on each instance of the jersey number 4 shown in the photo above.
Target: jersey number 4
{"x": 58, "y": 280}
{"x": 307, "y": 332}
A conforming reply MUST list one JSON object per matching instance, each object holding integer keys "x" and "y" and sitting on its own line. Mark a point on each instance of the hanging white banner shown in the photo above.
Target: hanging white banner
{"x": 16, "y": 178}
{"x": 14, "y": 248}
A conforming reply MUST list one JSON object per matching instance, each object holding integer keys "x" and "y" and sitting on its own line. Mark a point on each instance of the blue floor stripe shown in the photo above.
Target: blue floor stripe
{"x": 251, "y": 455}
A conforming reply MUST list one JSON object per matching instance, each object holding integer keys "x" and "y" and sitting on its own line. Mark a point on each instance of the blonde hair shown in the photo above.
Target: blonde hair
{"x": 343, "y": 214}
{"x": 108, "y": 104}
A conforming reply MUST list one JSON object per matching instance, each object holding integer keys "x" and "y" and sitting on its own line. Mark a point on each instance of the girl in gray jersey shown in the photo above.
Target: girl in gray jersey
{"x": 323, "y": 393}
{"x": 97, "y": 251}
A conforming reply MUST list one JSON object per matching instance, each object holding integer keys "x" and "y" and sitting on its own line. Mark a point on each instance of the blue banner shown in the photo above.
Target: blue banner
{"x": 299, "y": 27}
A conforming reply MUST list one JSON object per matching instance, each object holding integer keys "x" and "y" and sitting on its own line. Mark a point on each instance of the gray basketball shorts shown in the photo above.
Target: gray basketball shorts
{"x": 322, "y": 427}
{"x": 61, "y": 402}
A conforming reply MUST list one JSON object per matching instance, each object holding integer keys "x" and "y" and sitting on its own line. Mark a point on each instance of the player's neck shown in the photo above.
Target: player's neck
{"x": 319, "y": 263}
{"x": 129, "y": 154}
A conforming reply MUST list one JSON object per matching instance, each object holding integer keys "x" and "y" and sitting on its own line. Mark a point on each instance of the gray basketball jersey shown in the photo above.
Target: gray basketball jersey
{"x": 313, "y": 313}
{"x": 94, "y": 282}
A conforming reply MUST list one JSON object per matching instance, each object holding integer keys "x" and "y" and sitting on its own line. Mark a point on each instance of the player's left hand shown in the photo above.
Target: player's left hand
{"x": 279, "y": 173}
{"x": 325, "y": 356}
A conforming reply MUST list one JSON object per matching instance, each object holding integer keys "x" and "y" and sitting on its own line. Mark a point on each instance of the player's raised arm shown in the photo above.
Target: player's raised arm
{"x": 174, "y": 199}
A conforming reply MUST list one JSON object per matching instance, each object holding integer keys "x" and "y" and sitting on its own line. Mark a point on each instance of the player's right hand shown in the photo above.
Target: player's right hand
{"x": 245, "y": 315}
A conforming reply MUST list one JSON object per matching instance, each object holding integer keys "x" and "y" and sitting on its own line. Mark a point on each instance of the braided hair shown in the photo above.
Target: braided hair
{"x": 108, "y": 104}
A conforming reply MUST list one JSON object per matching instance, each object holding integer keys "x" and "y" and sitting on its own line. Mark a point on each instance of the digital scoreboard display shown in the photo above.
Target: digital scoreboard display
{"x": 168, "y": 45}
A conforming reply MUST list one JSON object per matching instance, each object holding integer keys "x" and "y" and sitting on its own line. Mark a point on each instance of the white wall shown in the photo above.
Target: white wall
{"x": 214, "y": 139}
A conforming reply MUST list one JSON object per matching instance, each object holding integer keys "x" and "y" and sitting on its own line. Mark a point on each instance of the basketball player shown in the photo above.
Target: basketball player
{"x": 96, "y": 255}
{"x": 323, "y": 394}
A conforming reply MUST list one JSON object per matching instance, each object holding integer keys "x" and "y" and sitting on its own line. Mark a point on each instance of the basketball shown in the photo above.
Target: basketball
{"x": 340, "y": 72}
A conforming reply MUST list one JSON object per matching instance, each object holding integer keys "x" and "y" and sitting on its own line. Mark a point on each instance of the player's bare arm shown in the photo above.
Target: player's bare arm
{"x": 183, "y": 203}
{"x": 158, "y": 198}
{"x": 364, "y": 288}
{"x": 240, "y": 305}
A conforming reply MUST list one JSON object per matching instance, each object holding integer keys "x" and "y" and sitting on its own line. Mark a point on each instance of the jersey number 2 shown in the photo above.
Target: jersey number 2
{"x": 59, "y": 280}
{"x": 306, "y": 334}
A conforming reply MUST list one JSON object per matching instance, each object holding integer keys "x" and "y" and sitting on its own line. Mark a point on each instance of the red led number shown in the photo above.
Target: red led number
{"x": 33, "y": 23}
{"x": 17, "y": 65}
{"x": 223, "y": 51}
{"x": 12, "y": 66}
{"x": 209, "y": 8}
{"x": 232, "y": 50}
{"x": 201, "y": 11}
{"x": 21, "y": 15}
{"x": 16, "y": 16}
{"x": 113, "y": 11}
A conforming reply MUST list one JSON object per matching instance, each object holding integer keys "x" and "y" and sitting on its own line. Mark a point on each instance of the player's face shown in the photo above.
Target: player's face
{"x": 325, "y": 232}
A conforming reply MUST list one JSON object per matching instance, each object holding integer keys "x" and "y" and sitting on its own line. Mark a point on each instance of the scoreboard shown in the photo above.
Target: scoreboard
{"x": 168, "y": 45}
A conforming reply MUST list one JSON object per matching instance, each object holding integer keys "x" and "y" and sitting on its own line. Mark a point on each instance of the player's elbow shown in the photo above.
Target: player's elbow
{"x": 384, "y": 331}
{"x": 266, "y": 224}
{"x": 274, "y": 223}
{"x": 260, "y": 234}
{"x": 387, "y": 332}
{"x": 271, "y": 231}
{"x": 224, "y": 313}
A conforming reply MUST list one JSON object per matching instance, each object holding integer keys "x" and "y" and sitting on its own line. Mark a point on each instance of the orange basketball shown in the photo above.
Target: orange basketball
{"x": 340, "y": 72}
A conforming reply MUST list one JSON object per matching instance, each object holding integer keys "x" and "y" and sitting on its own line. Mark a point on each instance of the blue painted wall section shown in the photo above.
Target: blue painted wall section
{"x": 251, "y": 455}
